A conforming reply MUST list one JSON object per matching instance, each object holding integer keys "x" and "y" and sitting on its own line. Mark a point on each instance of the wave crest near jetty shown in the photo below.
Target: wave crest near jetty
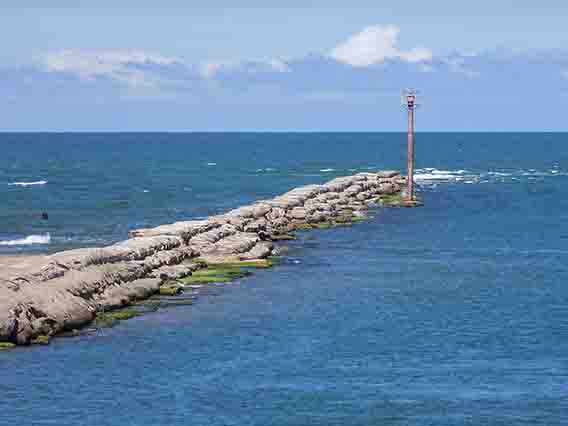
{"x": 29, "y": 240}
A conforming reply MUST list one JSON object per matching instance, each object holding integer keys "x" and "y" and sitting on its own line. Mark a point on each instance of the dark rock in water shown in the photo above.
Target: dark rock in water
{"x": 68, "y": 290}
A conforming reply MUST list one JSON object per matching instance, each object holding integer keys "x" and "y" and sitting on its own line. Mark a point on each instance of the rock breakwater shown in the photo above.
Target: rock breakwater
{"x": 66, "y": 291}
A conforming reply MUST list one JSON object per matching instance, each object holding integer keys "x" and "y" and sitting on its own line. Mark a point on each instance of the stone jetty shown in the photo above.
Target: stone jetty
{"x": 65, "y": 291}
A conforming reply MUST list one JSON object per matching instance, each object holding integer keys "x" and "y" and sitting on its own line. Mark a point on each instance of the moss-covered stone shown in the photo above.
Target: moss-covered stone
{"x": 356, "y": 219}
{"x": 206, "y": 280}
{"x": 6, "y": 345}
{"x": 256, "y": 263}
{"x": 40, "y": 340}
{"x": 323, "y": 225}
{"x": 77, "y": 332}
{"x": 274, "y": 259}
{"x": 175, "y": 301}
{"x": 108, "y": 319}
{"x": 282, "y": 237}
{"x": 170, "y": 289}
{"x": 215, "y": 274}
{"x": 391, "y": 199}
{"x": 217, "y": 270}
{"x": 225, "y": 271}
{"x": 305, "y": 227}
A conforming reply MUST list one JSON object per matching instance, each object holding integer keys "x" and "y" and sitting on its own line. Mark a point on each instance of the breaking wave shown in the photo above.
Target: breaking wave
{"x": 29, "y": 240}
{"x": 433, "y": 176}
{"x": 38, "y": 182}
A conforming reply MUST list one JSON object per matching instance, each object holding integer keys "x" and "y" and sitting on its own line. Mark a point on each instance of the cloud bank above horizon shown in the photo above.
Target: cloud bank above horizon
{"x": 367, "y": 68}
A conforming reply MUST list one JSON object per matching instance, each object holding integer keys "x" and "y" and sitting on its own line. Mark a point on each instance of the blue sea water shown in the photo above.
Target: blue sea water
{"x": 452, "y": 314}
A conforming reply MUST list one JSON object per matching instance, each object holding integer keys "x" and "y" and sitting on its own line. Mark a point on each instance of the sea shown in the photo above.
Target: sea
{"x": 455, "y": 313}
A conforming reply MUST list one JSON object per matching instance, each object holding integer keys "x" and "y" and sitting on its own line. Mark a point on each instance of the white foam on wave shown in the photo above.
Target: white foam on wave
{"x": 326, "y": 170}
{"x": 431, "y": 174}
{"x": 498, "y": 174}
{"x": 29, "y": 240}
{"x": 38, "y": 182}
{"x": 211, "y": 164}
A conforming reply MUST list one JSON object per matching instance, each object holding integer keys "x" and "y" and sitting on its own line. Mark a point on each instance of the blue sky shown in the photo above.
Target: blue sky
{"x": 295, "y": 65}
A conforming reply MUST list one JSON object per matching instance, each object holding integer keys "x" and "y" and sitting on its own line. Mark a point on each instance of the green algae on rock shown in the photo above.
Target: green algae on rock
{"x": 282, "y": 237}
{"x": 391, "y": 200}
{"x": 42, "y": 339}
{"x": 207, "y": 279}
{"x": 170, "y": 289}
{"x": 215, "y": 274}
{"x": 275, "y": 260}
{"x": 109, "y": 319}
{"x": 253, "y": 264}
{"x": 6, "y": 345}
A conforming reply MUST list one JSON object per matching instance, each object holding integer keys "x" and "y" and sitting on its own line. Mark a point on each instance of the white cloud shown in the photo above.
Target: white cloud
{"x": 116, "y": 64}
{"x": 208, "y": 70}
{"x": 375, "y": 44}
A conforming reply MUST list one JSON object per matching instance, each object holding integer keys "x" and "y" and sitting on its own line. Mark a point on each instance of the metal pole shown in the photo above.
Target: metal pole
{"x": 410, "y": 156}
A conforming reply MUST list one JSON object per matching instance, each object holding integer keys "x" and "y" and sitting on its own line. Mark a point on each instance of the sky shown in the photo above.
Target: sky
{"x": 306, "y": 65}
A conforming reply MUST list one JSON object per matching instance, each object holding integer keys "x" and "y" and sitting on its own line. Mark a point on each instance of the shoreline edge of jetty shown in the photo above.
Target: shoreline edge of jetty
{"x": 66, "y": 291}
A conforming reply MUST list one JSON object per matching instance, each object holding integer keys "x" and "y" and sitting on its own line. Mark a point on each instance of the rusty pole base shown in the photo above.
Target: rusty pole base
{"x": 411, "y": 203}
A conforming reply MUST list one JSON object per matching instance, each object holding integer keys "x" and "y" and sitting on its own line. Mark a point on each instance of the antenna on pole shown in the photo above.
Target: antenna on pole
{"x": 408, "y": 102}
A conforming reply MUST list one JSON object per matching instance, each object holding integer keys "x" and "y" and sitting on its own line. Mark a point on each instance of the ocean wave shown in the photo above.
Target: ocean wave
{"x": 432, "y": 176}
{"x": 38, "y": 182}
{"x": 327, "y": 170}
{"x": 29, "y": 240}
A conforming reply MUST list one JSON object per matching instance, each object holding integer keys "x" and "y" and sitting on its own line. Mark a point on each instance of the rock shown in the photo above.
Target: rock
{"x": 238, "y": 243}
{"x": 256, "y": 226}
{"x": 317, "y": 217}
{"x": 259, "y": 210}
{"x": 353, "y": 190}
{"x": 387, "y": 188}
{"x": 172, "y": 272}
{"x": 184, "y": 230}
{"x": 127, "y": 293}
{"x": 387, "y": 174}
{"x": 275, "y": 213}
{"x": 261, "y": 250}
{"x": 298, "y": 213}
